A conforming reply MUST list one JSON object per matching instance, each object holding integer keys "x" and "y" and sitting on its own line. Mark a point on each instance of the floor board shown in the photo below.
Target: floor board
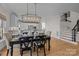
{"x": 58, "y": 48}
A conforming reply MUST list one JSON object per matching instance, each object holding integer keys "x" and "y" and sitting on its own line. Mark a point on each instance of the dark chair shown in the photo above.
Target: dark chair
{"x": 25, "y": 33}
{"x": 25, "y": 44}
{"x": 40, "y": 43}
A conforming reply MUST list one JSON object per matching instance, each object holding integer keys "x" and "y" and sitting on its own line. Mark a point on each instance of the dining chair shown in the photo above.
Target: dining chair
{"x": 25, "y": 33}
{"x": 40, "y": 43}
{"x": 48, "y": 33}
{"x": 25, "y": 45}
{"x": 8, "y": 38}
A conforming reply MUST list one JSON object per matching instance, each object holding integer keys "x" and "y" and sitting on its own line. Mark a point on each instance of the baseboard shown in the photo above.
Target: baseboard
{"x": 55, "y": 37}
{"x": 69, "y": 41}
{"x": 77, "y": 40}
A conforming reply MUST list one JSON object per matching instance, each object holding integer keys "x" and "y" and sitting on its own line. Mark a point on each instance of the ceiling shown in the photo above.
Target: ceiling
{"x": 43, "y": 9}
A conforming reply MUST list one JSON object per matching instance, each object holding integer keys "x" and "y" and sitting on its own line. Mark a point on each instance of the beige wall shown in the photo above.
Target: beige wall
{"x": 52, "y": 23}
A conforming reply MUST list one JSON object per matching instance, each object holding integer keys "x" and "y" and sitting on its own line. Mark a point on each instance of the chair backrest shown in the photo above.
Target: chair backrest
{"x": 41, "y": 39}
{"x": 8, "y": 38}
{"x": 48, "y": 33}
{"x": 27, "y": 41}
{"x": 29, "y": 33}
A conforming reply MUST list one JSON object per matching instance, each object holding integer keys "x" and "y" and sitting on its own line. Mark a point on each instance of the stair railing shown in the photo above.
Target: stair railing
{"x": 74, "y": 30}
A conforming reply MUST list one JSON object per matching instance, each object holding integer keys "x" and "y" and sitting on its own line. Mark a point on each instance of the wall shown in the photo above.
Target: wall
{"x": 74, "y": 17}
{"x": 53, "y": 25}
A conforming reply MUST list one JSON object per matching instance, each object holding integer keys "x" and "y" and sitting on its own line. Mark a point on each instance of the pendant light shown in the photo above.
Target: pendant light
{"x": 29, "y": 18}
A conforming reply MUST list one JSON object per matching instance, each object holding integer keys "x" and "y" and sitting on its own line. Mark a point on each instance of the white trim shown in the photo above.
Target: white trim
{"x": 69, "y": 41}
{"x": 77, "y": 40}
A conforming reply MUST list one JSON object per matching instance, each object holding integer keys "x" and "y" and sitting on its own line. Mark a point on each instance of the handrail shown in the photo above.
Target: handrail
{"x": 74, "y": 30}
{"x": 74, "y": 27}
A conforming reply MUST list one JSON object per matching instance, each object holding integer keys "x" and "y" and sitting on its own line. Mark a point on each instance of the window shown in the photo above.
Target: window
{"x": 2, "y": 27}
{"x": 2, "y": 24}
{"x": 43, "y": 25}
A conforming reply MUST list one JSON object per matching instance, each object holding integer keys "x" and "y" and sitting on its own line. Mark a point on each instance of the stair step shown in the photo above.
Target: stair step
{"x": 70, "y": 41}
{"x": 68, "y": 34}
{"x": 66, "y": 38}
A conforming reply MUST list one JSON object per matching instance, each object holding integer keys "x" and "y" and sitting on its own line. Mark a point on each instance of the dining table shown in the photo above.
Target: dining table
{"x": 13, "y": 42}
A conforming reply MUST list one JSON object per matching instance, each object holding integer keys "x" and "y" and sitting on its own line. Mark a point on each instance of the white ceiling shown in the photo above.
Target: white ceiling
{"x": 43, "y": 9}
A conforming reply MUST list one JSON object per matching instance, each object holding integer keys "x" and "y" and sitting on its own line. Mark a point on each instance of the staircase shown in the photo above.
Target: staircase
{"x": 67, "y": 36}
{"x": 72, "y": 35}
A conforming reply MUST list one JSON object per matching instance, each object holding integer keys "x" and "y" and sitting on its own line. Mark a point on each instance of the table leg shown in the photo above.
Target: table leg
{"x": 49, "y": 44}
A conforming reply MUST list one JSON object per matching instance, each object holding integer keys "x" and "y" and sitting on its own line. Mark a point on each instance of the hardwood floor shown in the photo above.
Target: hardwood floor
{"x": 58, "y": 48}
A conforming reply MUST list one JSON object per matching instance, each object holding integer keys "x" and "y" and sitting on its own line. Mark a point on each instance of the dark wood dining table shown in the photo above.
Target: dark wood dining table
{"x": 48, "y": 38}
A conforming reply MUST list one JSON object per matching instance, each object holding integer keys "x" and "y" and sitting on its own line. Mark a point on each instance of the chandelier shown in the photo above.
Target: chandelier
{"x": 29, "y": 18}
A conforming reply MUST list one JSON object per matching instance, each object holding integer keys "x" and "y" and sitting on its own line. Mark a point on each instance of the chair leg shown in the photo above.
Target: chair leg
{"x": 11, "y": 50}
{"x": 31, "y": 52}
{"x": 37, "y": 51}
{"x": 44, "y": 51}
{"x": 7, "y": 52}
{"x": 21, "y": 52}
{"x": 34, "y": 47}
